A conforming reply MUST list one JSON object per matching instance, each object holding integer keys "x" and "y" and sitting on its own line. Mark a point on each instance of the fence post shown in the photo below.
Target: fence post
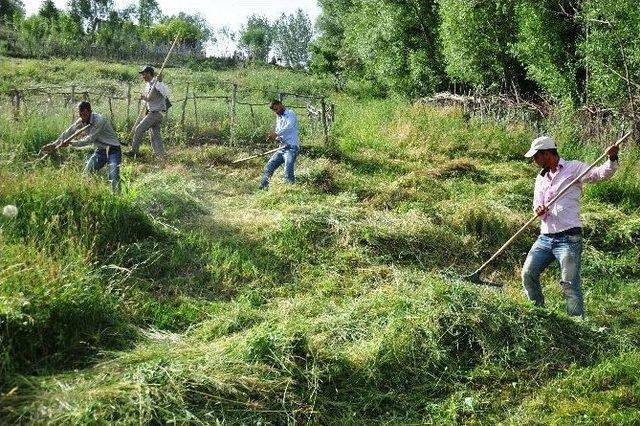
{"x": 232, "y": 130}
{"x": 195, "y": 108}
{"x": 128, "y": 104}
{"x": 15, "y": 100}
{"x": 111, "y": 108}
{"x": 325, "y": 129}
{"x": 73, "y": 102}
{"x": 184, "y": 107}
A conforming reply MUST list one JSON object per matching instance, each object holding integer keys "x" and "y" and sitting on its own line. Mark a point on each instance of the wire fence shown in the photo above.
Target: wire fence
{"x": 229, "y": 113}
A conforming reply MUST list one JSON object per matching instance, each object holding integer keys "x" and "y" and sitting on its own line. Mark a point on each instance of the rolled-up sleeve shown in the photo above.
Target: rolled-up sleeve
{"x": 603, "y": 172}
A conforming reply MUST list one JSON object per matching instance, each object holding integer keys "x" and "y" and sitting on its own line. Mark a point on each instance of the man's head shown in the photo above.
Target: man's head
{"x": 277, "y": 107}
{"x": 543, "y": 151}
{"x": 147, "y": 73}
{"x": 84, "y": 110}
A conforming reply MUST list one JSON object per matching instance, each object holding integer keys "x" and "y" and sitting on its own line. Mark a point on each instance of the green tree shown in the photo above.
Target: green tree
{"x": 193, "y": 30}
{"x": 292, "y": 35}
{"x": 49, "y": 10}
{"x": 9, "y": 9}
{"x": 398, "y": 45}
{"x": 91, "y": 12}
{"x": 256, "y": 38}
{"x": 611, "y": 51}
{"x": 547, "y": 37}
{"x": 148, "y": 12}
{"x": 476, "y": 37}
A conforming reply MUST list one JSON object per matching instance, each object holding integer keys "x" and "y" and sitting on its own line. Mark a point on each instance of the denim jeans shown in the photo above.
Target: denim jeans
{"x": 101, "y": 156}
{"x": 286, "y": 155}
{"x": 568, "y": 251}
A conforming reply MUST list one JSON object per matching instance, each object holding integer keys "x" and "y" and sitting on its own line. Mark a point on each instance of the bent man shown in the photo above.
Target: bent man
{"x": 104, "y": 139}
{"x": 286, "y": 133}
{"x": 560, "y": 227}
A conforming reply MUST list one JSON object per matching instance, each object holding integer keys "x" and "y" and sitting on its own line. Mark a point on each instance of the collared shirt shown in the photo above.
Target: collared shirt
{"x": 564, "y": 213}
{"x": 155, "y": 98}
{"x": 100, "y": 133}
{"x": 287, "y": 127}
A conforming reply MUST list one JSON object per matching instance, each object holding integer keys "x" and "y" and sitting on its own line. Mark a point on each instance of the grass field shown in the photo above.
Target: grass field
{"x": 193, "y": 297}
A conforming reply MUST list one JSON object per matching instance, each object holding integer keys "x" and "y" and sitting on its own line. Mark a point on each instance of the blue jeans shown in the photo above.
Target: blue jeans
{"x": 286, "y": 155}
{"x": 568, "y": 251}
{"x": 101, "y": 156}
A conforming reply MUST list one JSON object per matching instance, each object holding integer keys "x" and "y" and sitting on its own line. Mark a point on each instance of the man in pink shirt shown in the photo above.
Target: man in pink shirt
{"x": 560, "y": 228}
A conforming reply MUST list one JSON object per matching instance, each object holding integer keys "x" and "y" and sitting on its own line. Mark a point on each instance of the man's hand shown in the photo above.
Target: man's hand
{"x": 272, "y": 136}
{"x": 542, "y": 210}
{"x": 612, "y": 151}
{"x": 50, "y": 147}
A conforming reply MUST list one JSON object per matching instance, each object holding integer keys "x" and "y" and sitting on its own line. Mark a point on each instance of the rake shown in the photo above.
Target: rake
{"x": 475, "y": 276}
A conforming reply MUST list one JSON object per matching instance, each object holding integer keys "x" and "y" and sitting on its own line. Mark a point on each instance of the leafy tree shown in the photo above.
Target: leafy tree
{"x": 193, "y": 30}
{"x": 9, "y": 9}
{"x": 476, "y": 37}
{"x": 91, "y": 12}
{"x": 49, "y": 10}
{"x": 148, "y": 12}
{"x": 256, "y": 38}
{"x": 611, "y": 51}
{"x": 292, "y": 35}
{"x": 547, "y": 37}
{"x": 326, "y": 50}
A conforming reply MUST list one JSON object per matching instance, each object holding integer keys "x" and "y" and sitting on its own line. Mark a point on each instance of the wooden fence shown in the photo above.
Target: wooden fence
{"x": 317, "y": 107}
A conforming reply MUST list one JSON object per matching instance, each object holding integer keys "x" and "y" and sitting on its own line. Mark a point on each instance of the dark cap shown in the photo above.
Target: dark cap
{"x": 147, "y": 68}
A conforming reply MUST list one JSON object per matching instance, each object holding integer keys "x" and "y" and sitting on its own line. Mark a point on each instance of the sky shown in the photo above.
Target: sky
{"x": 230, "y": 13}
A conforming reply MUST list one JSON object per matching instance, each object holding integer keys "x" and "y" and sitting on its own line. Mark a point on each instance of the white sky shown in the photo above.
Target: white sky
{"x": 230, "y": 13}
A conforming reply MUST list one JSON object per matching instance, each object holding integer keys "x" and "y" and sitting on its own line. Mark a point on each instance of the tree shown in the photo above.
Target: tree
{"x": 193, "y": 30}
{"x": 326, "y": 50}
{"x": 476, "y": 35}
{"x": 292, "y": 35}
{"x": 148, "y": 12}
{"x": 9, "y": 9}
{"x": 49, "y": 10}
{"x": 256, "y": 37}
{"x": 611, "y": 51}
{"x": 546, "y": 43}
{"x": 91, "y": 12}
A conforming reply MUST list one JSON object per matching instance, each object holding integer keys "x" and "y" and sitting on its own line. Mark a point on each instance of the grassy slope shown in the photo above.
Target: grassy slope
{"x": 198, "y": 298}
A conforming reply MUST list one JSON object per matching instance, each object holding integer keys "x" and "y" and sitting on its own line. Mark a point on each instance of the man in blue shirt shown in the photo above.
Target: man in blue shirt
{"x": 286, "y": 133}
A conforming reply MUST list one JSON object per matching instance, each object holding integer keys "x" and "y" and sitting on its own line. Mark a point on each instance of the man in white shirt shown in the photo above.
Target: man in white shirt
{"x": 286, "y": 133}
{"x": 155, "y": 96}
{"x": 560, "y": 227}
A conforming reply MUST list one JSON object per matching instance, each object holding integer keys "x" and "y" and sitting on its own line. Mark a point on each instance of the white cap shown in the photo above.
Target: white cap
{"x": 543, "y": 142}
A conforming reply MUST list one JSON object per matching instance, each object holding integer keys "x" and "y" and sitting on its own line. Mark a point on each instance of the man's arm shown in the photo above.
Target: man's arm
{"x": 94, "y": 131}
{"x": 603, "y": 172}
{"x": 52, "y": 146}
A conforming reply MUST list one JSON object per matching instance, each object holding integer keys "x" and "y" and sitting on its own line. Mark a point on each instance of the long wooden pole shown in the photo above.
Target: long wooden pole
{"x": 153, "y": 85}
{"x": 255, "y": 156}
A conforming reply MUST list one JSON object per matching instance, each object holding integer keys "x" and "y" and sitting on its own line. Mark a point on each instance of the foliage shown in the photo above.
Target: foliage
{"x": 256, "y": 38}
{"x": 547, "y": 45}
{"x": 292, "y": 35}
{"x": 610, "y": 51}
{"x": 11, "y": 9}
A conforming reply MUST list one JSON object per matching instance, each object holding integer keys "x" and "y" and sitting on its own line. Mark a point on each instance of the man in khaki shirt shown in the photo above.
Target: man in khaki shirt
{"x": 155, "y": 96}
{"x": 100, "y": 133}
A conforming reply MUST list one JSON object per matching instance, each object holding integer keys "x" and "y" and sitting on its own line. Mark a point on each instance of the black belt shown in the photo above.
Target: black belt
{"x": 571, "y": 231}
